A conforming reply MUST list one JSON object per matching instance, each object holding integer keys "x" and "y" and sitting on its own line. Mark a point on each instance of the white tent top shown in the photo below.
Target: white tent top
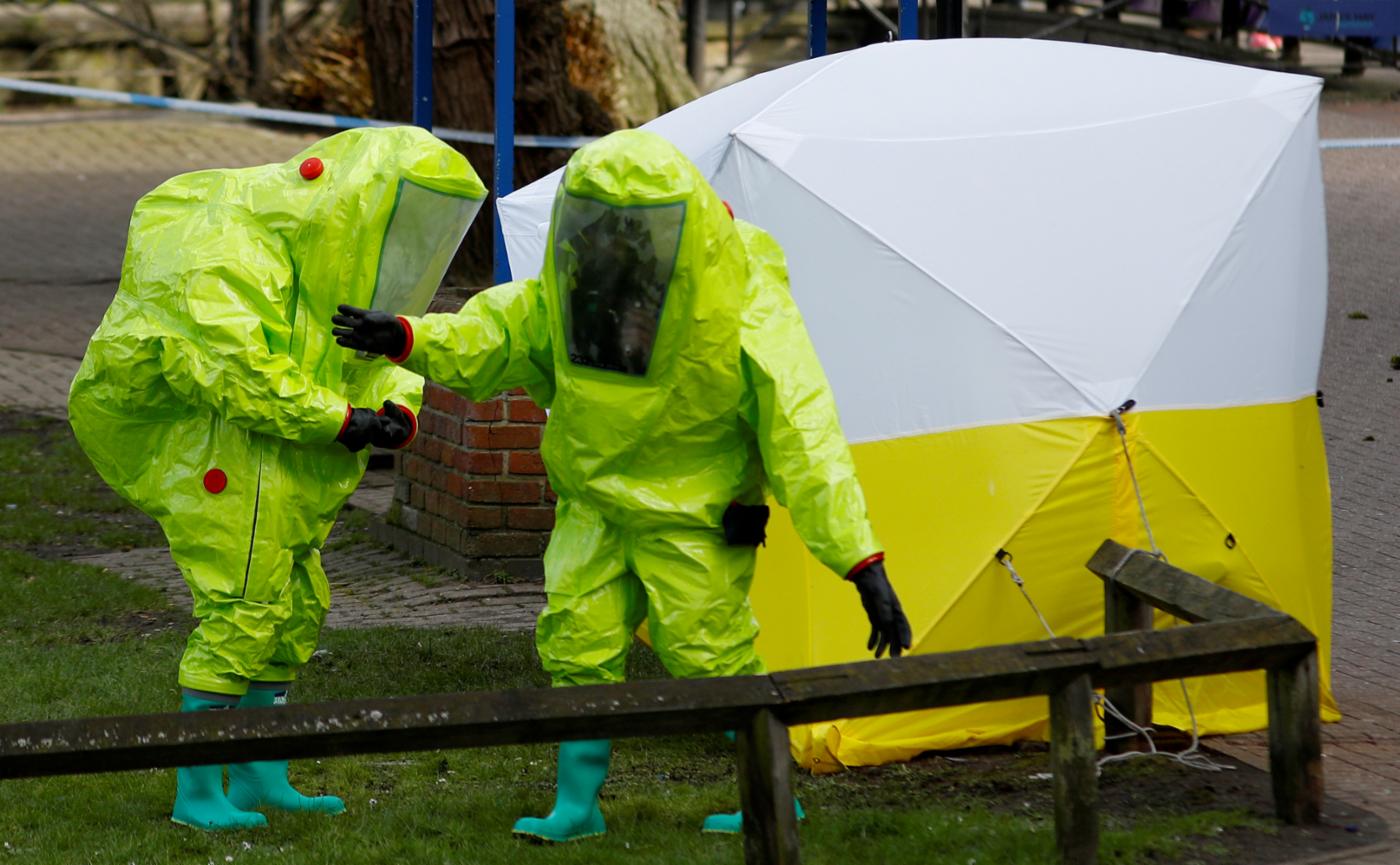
{"x": 986, "y": 231}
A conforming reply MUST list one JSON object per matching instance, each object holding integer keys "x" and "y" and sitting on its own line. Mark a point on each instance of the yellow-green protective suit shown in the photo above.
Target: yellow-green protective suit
{"x": 212, "y": 394}
{"x": 669, "y": 401}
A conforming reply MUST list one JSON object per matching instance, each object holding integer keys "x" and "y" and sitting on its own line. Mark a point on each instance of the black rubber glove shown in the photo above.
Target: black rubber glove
{"x": 369, "y": 330}
{"x": 889, "y": 629}
{"x": 396, "y": 427}
{"x": 360, "y": 429}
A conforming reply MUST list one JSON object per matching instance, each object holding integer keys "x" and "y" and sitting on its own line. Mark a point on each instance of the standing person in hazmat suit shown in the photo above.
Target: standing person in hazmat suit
{"x": 681, "y": 385}
{"x": 213, "y": 397}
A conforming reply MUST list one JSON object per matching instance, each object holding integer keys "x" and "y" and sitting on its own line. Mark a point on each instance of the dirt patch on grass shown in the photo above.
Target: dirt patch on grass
{"x": 134, "y": 624}
{"x": 1016, "y": 780}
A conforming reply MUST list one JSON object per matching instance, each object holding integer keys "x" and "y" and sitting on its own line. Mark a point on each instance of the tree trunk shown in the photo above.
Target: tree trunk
{"x": 568, "y": 79}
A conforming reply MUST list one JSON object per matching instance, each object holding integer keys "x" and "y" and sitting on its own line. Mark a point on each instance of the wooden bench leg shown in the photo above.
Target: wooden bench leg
{"x": 765, "y": 792}
{"x": 1072, "y": 760}
{"x": 1124, "y": 611}
{"x": 1295, "y": 740}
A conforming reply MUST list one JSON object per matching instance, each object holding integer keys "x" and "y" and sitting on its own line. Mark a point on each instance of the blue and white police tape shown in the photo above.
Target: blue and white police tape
{"x": 1357, "y": 143}
{"x": 275, "y": 115}
{"x": 338, "y": 121}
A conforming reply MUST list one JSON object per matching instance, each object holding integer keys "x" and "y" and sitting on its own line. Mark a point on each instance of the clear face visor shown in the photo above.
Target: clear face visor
{"x": 612, "y": 266}
{"x": 424, "y": 232}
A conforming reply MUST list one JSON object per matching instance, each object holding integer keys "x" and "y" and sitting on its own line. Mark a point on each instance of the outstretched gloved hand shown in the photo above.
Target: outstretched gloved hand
{"x": 396, "y": 426}
{"x": 361, "y": 427}
{"x": 889, "y": 629}
{"x": 369, "y": 330}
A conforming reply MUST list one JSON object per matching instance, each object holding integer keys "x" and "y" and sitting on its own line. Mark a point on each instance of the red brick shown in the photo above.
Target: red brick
{"x": 549, "y": 494}
{"x": 436, "y": 396}
{"x": 502, "y": 436}
{"x": 515, "y": 436}
{"x": 490, "y": 411}
{"x": 525, "y": 411}
{"x": 483, "y": 518}
{"x": 526, "y": 463}
{"x": 533, "y": 519}
{"x": 483, "y": 491}
{"x": 446, "y": 534}
{"x": 506, "y": 544}
{"x": 480, "y": 462}
{"x": 454, "y": 485}
{"x": 432, "y": 502}
{"x": 431, "y": 449}
{"x": 439, "y": 425}
{"x": 521, "y": 492}
{"x": 415, "y": 497}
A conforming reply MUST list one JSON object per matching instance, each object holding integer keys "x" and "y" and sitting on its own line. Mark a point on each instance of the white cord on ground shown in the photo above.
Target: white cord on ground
{"x": 1192, "y": 756}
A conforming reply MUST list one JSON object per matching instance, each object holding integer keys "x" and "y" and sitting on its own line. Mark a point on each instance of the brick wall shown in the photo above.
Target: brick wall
{"x": 471, "y": 494}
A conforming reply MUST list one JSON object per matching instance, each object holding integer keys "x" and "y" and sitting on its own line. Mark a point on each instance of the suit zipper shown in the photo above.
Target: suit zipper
{"x": 252, "y": 538}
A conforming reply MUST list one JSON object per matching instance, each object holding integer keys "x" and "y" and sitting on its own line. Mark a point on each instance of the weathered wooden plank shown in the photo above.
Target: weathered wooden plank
{"x": 651, "y": 708}
{"x": 1295, "y": 740}
{"x": 1028, "y": 669}
{"x": 1171, "y": 589}
{"x": 1076, "y": 783}
{"x": 765, "y": 792}
{"x": 645, "y": 708}
{"x": 1198, "y": 650}
{"x": 1123, "y": 611}
{"x": 929, "y": 681}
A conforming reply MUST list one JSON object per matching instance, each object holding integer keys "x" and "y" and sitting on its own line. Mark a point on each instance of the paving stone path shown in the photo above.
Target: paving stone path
{"x": 371, "y": 587}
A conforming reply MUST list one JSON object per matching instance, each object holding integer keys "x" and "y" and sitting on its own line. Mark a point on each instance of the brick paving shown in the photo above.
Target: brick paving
{"x": 371, "y": 587}
{"x": 69, "y": 185}
{"x": 1362, "y": 753}
{"x": 68, "y": 189}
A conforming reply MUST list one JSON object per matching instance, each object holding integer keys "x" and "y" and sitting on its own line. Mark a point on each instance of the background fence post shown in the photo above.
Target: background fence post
{"x": 1124, "y": 611}
{"x": 503, "y": 175}
{"x": 765, "y": 792}
{"x": 1076, "y": 780}
{"x": 423, "y": 64}
{"x": 1295, "y": 740}
{"x": 816, "y": 28}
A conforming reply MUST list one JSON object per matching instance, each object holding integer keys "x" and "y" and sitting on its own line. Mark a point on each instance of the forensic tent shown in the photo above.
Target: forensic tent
{"x": 996, "y": 245}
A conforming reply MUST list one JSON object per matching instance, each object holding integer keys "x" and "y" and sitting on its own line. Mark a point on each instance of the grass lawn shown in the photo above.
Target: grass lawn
{"x": 77, "y": 641}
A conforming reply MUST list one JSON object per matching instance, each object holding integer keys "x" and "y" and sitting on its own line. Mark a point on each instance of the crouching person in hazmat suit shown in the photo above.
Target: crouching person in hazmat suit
{"x": 214, "y": 398}
{"x": 681, "y": 385}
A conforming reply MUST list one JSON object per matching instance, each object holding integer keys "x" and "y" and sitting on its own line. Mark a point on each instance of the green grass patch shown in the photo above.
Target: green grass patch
{"x": 77, "y": 641}
{"x": 76, "y": 644}
{"x": 51, "y": 498}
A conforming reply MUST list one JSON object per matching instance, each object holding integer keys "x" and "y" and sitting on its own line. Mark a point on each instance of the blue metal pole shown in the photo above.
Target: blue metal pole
{"x": 423, "y": 63}
{"x": 908, "y": 19}
{"x": 816, "y": 28}
{"x": 504, "y": 173}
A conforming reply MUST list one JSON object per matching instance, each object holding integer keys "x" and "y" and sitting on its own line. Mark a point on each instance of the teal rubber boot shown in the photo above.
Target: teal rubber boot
{"x": 583, "y": 766}
{"x": 199, "y": 790}
{"x": 733, "y": 823}
{"x": 264, "y": 784}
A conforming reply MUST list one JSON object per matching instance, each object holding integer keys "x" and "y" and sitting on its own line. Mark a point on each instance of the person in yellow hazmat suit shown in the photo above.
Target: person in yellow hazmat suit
{"x": 213, "y": 397}
{"x": 682, "y": 386}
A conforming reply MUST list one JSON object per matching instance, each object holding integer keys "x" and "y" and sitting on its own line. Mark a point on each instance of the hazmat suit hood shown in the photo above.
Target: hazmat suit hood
{"x": 373, "y": 220}
{"x": 644, "y": 279}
